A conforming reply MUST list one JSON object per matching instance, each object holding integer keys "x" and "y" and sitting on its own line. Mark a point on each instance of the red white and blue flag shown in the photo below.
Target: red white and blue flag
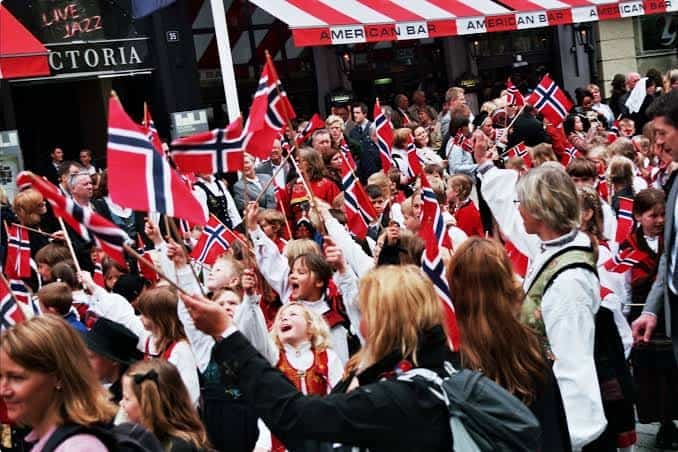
{"x": 139, "y": 175}
{"x": 520, "y": 150}
{"x": 348, "y": 156}
{"x": 313, "y": 124}
{"x": 270, "y": 112}
{"x": 432, "y": 262}
{"x": 550, "y": 101}
{"x": 384, "y": 130}
{"x": 624, "y": 260}
{"x": 216, "y": 151}
{"x": 23, "y": 296}
{"x": 415, "y": 166}
{"x": 11, "y": 312}
{"x": 216, "y": 238}
{"x": 624, "y": 219}
{"x": 148, "y": 124}
{"x": 569, "y": 155}
{"x": 360, "y": 212}
{"x": 432, "y": 214}
{"x": 513, "y": 95}
{"x": 83, "y": 220}
{"x": 18, "y": 258}
{"x": 603, "y": 190}
{"x": 463, "y": 142}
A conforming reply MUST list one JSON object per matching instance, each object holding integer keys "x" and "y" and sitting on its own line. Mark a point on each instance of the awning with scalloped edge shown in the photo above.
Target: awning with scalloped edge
{"x": 327, "y": 22}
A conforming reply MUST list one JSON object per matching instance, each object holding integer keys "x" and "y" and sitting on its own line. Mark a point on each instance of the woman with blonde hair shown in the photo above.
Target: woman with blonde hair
{"x": 487, "y": 294}
{"x": 154, "y": 396}
{"x": 402, "y": 326}
{"x": 335, "y": 125}
{"x": 46, "y": 383}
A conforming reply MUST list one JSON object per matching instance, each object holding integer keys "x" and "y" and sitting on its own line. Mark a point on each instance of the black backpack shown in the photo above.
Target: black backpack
{"x": 127, "y": 437}
{"x": 484, "y": 417}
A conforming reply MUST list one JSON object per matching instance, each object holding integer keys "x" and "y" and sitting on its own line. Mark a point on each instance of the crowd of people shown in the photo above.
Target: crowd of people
{"x": 560, "y": 259}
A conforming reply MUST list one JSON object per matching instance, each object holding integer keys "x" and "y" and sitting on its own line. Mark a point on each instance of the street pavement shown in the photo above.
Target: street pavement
{"x": 646, "y": 434}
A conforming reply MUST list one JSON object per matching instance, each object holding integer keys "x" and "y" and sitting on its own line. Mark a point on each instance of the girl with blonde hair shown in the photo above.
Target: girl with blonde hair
{"x": 299, "y": 345}
{"x": 46, "y": 383}
{"x": 402, "y": 326}
{"x": 154, "y": 396}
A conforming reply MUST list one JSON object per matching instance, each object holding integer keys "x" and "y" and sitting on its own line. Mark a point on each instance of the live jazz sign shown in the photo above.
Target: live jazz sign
{"x": 114, "y": 55}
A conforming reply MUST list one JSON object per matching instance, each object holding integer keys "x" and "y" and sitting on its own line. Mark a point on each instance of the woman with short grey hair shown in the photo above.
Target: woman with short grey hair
{"x": 540, "y": 215}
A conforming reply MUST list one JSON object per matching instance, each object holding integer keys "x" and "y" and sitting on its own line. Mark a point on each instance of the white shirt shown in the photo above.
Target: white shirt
{"x": 568, "y": 309}
{"x": 116, "y": 308}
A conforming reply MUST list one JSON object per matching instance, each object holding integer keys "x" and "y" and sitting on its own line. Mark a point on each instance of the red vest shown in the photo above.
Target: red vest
{"x": 316, "y": 379}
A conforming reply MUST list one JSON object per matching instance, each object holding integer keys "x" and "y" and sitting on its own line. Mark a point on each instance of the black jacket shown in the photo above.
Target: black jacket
{"x": 381, "y": 415}
{"x": 529, "y": 130}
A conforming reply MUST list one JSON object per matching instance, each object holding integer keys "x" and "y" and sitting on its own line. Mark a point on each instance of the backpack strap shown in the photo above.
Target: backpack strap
{"x": 67, "y": 431}
{"x": 168, "y": 350}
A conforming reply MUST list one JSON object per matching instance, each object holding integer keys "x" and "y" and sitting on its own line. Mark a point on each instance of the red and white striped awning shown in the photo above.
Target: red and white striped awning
{"x": 21, "y": 54}
{"x": 327, "y": 22}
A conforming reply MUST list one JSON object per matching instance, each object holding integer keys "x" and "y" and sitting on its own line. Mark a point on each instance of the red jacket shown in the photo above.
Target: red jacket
{"x": 468, "y": 219}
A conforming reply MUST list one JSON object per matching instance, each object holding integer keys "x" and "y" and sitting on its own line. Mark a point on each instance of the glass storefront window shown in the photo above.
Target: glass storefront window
{"x": 658, "y": 33}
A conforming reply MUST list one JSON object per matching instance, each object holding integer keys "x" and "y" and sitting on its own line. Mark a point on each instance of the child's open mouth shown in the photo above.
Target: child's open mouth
{"x": 285, "y": 328}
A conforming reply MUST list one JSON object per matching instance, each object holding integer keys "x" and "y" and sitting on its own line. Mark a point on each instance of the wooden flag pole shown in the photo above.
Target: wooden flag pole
{"x": 275, "y": 173}
{"x": 70, "y": 245}
{"x": 37, "y": 231}
{"x": 514, "y": 119}
{"x": 132, "y": 252}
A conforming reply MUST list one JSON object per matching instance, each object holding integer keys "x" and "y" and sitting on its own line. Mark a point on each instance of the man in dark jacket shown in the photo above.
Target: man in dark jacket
{"x": 362, "y": 134}
{"x": 527, "y": 129}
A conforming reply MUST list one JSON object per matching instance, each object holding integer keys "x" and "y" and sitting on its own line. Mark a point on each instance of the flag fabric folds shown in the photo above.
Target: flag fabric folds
{"x": 550, "y": 100}
{"x": 513, "y": 95}
{"x": 139, "y": 176}
{"x": 624, "y": 260}
{"x": 624, "y": 219}
{"x": 10, "y": 310}
{"x": 384, "y": 130}
{"x": 270, "y": 112}
{"x": 348, "y": 156}
{"x": 18, "y": 257}
{"x": 315, "y": 123}
{"x": 520, "y": 150}
{"x": 360, "y": 212}
{"x": 432, "y": 215}
{"x": 83, "y": 220}
{"x": 216, "y": 238}
{"x": 431, "y": 260}
{"x": 216, "y": 151}
{"x": 569, "y": 155}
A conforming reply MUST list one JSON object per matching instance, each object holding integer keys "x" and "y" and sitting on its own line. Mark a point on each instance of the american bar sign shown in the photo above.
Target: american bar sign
{"x": 99, "y": 56}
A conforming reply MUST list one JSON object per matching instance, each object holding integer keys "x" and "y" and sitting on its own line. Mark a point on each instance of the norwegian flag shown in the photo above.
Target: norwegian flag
{"x": 520, "y": 150}
{"x": 463, "y": 142}
{"x": 152, "y": 133}
{"x": 569, "y": 155}
{"x": 384, "y": 130}
{"x": 281, "y": 202}
{"x": 432, "y": 263}
{"x": 87, "y": 223}
{"x": 624, "y": 260}
{"x": 98, "y": 275}
{"x": 360, "y": 212}
{"x": 216, "y": 151}
{"x": 214, "y": 241}
{"x": 18, "y": 258}
{"x": 415, "y": 168}
{"x": 513, "y": 95}
{"x": 550, "y": 100}
{"x": 10, "y": 310}
{"x": 432, "y": 216}
{"x": 270, "y": 112}
{"x": 315, "y": 123}
{"x": 23, "y": 296}
{"x": 348, "y": 156}
{"x": 139, "y": 176}
{"x": 624, "y": 219}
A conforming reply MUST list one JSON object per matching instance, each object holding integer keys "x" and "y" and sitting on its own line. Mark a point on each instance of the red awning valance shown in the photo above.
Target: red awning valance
{"x": 327, "y": 22}
{"x": 21, "y": 54}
